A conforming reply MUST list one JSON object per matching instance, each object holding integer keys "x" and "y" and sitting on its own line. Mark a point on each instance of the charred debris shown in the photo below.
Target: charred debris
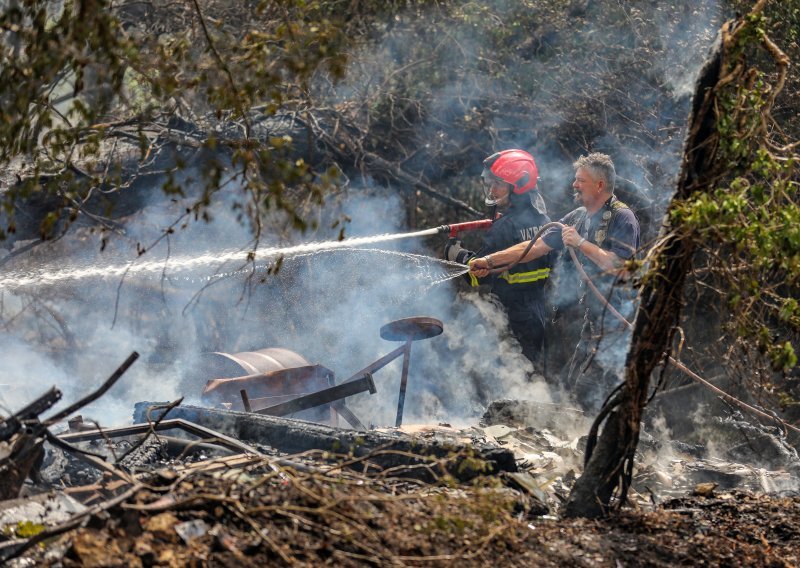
{"x": 242, "y": 480}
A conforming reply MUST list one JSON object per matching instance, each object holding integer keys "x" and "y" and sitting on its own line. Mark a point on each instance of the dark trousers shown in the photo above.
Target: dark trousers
{"x": 531, "y": 335}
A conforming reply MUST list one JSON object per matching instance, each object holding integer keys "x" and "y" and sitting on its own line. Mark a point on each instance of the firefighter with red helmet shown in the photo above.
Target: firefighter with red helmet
{"x": 510, "y": 182}
{"x": 604, "y": 233}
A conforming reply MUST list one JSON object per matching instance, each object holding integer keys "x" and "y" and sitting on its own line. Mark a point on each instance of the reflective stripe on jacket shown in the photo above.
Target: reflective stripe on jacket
{"x": 517, "y": 277}
{"x": 525, "y": 277}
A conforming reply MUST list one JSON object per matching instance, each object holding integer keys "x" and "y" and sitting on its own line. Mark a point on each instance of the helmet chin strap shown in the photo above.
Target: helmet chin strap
{"x": 496, "y": 210}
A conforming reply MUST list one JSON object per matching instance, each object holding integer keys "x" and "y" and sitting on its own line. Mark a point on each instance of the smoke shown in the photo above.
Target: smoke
{"x": 336, "y": 303}
{"x": 691, "y": 35}
{"x": 79, "y": 315}
{"x": 73, "y": 313}
{"x": 17, "y": 385}
{"x": 173, "y": 314}
{"x": 610, "y": 77}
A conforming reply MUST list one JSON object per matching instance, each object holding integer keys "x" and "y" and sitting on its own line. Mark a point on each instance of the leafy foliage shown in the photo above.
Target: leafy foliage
{"x": 747, "y": 228}
{"x": 81, "y": 79}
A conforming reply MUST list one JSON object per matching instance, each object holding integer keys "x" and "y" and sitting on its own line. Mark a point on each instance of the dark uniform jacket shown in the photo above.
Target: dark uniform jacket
{"x": 521, "y": 289}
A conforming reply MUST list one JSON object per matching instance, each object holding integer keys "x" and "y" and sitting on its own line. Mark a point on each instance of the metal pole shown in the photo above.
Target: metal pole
{"x": 403, "y": 382}
{"x": 318, "y": 398}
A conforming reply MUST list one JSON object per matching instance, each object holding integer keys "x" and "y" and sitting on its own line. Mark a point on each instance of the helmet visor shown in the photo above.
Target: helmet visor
{"x": 487, "y": 181}
{"x": 491, "y": 183}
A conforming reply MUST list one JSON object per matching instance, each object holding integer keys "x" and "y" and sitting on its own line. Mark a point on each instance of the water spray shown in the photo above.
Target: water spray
{"x": 43, "y": 277}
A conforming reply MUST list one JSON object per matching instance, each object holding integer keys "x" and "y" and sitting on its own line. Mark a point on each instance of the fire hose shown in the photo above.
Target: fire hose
{"x": 677, "y": 364}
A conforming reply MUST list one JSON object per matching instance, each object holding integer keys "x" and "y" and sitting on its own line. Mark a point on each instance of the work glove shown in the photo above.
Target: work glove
{"x": 454, "y": 252}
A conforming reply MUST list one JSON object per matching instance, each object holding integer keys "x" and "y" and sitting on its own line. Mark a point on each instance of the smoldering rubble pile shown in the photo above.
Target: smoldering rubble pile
{"x": 187, "y": 484}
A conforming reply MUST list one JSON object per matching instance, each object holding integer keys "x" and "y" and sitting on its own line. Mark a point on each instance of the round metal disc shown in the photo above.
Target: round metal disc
{"x": 414, "y": 328}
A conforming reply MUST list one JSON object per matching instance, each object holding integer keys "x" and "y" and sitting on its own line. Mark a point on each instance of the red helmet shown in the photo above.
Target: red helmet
{"x": 514, "y": 167}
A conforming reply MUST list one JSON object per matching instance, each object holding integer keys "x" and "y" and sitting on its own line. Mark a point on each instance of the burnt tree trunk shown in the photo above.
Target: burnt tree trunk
{"x": 610, "y": 451}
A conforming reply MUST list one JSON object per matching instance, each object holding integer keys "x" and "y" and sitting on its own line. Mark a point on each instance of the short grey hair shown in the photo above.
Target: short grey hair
{"x": 600, "y": 165}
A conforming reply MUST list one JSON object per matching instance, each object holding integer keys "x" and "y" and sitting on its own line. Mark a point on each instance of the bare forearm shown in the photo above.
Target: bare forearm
{"x": 606, "y": 260}
{"x": 514, "y": 253}
{"x": 481, "y": 267}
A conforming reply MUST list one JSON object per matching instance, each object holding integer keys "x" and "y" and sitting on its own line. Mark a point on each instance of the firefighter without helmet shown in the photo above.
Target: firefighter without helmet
{"x": 516, "y": 168}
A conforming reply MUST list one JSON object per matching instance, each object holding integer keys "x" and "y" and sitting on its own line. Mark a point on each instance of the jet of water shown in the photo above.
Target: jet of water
{"x": 245, "y": 260}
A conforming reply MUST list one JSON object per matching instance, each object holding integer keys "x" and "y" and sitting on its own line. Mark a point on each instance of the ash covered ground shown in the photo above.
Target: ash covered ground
{"x": 174, "y": 499}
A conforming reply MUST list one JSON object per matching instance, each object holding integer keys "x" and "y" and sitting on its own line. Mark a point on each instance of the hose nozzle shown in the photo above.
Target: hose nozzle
{"x": 457, "y": 228}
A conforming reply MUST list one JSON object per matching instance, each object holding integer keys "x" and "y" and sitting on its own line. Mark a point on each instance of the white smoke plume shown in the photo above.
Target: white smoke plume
{"x": 179, "y": 300}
